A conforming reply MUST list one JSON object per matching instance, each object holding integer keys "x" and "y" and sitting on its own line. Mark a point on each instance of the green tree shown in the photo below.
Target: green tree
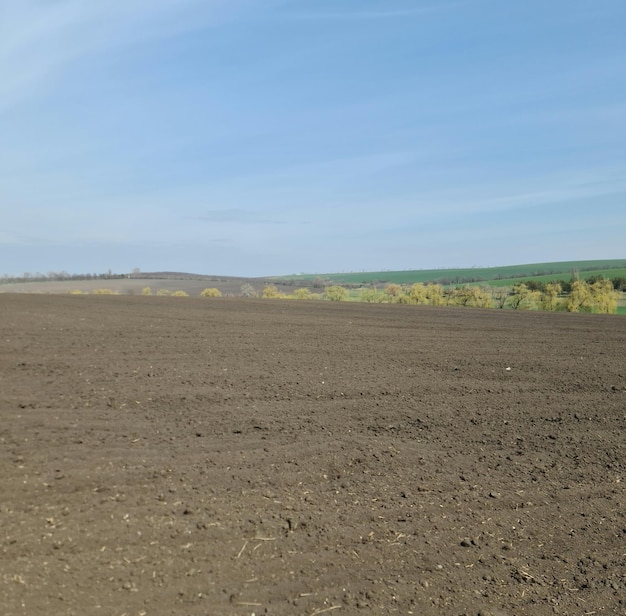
{"x": 522, "y": 298}
{"x": 619, "y": 283}
{"x": 434, "y": 294}
{"x": 599, "y": 296}
{"x": 579, "y": 299}
{"x": 604, "y": 296}
{"x": 418, "y": 294}
{"x": 550, "y": 296}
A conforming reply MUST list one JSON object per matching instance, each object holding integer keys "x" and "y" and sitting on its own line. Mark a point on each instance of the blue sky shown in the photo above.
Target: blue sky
{"x": 260, "y": 137}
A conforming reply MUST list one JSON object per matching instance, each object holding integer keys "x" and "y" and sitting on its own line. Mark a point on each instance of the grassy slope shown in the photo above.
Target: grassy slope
{"x": 505, "y": 276}
{"x": 606, "y": 273}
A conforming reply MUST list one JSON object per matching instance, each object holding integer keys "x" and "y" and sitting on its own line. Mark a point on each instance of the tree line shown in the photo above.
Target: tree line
{"x": 59, "y": 276}
{"x": 597, "y": 296}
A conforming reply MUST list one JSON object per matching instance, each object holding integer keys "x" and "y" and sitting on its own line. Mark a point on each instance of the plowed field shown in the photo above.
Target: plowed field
{"x": 195, "y": 457}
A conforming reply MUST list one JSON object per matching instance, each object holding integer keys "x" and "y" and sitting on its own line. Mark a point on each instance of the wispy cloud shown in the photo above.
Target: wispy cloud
{"x": 508, "y": 194}
{"x": 358, "y": 13}
{"x": 284, "y": 125}
{"x": 234, "y": 215}
{"x": 40, "y": 39}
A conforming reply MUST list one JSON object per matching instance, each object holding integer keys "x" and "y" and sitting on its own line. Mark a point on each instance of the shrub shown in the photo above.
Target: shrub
{"x": 146, "y": 291}
{"x": 471, "y": 296}
{"x": 393, "y": 289}
{"x": 211, "y": 292}
{"x": 180, "y": 294}
{"x": 271, "y": 292}
{"x": 303, "y": 293}
{"x": 78, "y": 292}
{"x": 105, "y": 292}
{"x": 500, "y": 295}
{"x": 335, "y": 293}
{"x": 247, "y": 290}
{"x": 163, "y": 292}
{"x": 372, "y": 296}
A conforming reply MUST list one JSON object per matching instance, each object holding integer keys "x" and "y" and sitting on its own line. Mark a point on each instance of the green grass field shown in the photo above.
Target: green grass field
{"x": 605, "y": 273}
{"x": 496, "y": 276}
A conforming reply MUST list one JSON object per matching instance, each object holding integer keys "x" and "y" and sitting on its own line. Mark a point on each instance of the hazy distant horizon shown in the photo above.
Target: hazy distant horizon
{"x": 137, "y": 272}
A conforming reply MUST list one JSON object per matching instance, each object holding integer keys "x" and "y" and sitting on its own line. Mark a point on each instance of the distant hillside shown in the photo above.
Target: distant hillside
{"x": 181, "y": 276}
{"x": 134, "y": 284}
{"x": 496, "y": 276}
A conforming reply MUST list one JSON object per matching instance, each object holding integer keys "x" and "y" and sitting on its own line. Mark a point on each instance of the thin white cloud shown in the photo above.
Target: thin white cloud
{"x": 520, "y": 193}
{"x": 39, "y": 39}
{"x": 8, "y": 238}
{"x": 234, "y": 215}
{"x": 387, "y": 13}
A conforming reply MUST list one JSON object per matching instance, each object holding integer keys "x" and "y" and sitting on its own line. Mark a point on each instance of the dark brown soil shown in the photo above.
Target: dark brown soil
{"x": 196, "y": 457}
